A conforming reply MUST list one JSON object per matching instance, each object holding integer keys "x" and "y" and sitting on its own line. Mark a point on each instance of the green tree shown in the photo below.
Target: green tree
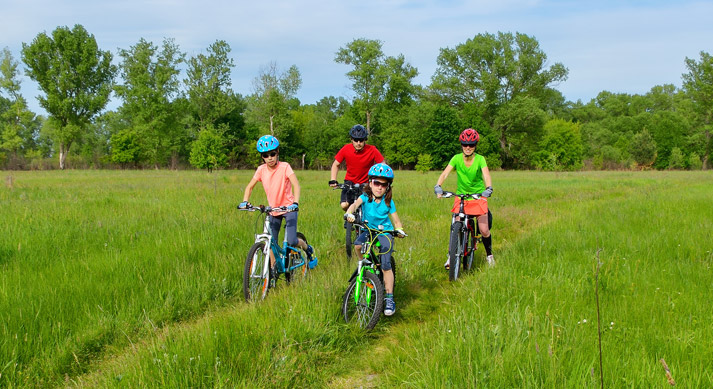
{"x": 380, "y": 82}
{"x": 698, "y": 84}
{"x": 149, "y": 91}
{"x": 560, "y": 147}
{"x": 272, "y": 91}
{"x": 76, "y": 78}
{"x": 208, "y": 151}
{"x": 18, "y": 125}
{"x": 694, "y": 162}
{"x": 643, "y": 148}
{"x": 440, "y": 137}
{"x": 125, "y": 147}
{"x": 496, "y": 71}
{"x": 676, "y": 161}
{"x": 208, "y": 83}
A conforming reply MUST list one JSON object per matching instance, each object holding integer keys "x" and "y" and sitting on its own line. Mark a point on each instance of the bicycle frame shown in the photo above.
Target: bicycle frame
{"x": 280, "y": 253}
{"x": 367, "y": 264}
{"x": 468, "y": 227}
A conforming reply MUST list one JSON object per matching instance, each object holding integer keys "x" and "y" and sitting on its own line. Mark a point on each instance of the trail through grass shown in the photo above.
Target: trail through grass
{"x": 133, "y": 278}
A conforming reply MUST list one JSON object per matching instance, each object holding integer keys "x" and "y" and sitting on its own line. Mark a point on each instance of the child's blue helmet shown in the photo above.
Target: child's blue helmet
{"x": 267, "y": 143}
{"x": 381, "y": 170}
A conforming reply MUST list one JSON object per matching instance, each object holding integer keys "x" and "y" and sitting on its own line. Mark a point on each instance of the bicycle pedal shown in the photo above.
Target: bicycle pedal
{"x": 313, "y": 263}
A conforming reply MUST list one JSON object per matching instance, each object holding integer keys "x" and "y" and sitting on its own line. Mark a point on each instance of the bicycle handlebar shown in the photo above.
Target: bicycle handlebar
{"x": 446, "y": 194}
{"x": 264, "y": 209}
{"x": 365, "y": 224}
{"x": 347, "y": 186}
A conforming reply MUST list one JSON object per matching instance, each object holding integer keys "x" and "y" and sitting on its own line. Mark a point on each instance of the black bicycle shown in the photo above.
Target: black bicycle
{"x": 351, "y": 231}
{"x": 464, "y": 236}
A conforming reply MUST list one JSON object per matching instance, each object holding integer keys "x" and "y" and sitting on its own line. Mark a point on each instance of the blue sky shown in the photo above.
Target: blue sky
{"x": 618, "y": 46}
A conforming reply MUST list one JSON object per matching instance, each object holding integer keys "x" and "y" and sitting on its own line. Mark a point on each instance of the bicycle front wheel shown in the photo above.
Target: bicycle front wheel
{"x": 256, "y": 278}
{"x": 469, "y": 245}
{"x": 455, "y": 251}
{"x": 350, "y": 232}
{"x": 366, "y": 309}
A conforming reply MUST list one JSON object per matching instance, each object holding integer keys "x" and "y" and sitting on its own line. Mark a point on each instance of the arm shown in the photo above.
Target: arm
{"x": 486, "y": 177}
{"x": 249, "y": 189}
{"x": 441, "y": 178}
{"x": 295, "y": 187}
{"x": 335, "y": 169}
{"x": 397, "y": 221}
{"x": 356, "y": 204}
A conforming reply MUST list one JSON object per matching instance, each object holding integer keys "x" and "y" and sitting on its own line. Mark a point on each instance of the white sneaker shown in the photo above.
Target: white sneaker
{"x": 490, "y": 260}
{"x": 447, "y": 264}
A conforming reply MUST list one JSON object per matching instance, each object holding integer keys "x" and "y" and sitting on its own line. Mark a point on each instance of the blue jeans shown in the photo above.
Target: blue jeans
{"x": 290, "y": 227}
{"x": 387, "y": 242}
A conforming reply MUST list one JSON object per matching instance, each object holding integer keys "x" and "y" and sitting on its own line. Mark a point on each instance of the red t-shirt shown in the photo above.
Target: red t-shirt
{"x": 358, "y": 163}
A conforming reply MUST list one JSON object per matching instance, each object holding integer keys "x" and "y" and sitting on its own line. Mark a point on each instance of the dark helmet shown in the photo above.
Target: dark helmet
{"x": 358, "y": 132}
{"x": 469, "y": 137}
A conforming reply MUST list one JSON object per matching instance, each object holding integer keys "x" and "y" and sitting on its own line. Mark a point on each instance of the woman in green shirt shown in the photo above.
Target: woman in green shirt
{"x": 473, "y": 177}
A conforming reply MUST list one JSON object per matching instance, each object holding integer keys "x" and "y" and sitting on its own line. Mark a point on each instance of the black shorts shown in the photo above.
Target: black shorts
{"x": 349, "y": 195}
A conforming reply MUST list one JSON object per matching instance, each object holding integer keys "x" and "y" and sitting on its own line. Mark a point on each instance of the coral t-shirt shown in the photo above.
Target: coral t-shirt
{"x": 358, "y": 163}
{"x": 276, "y": 183}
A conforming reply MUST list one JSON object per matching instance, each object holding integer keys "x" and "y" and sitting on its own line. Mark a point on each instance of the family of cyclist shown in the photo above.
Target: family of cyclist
{"x": 365, "y": 166}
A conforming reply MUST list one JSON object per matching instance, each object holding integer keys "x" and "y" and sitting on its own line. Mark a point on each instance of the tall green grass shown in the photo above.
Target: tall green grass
{"x": 134, "y": 278}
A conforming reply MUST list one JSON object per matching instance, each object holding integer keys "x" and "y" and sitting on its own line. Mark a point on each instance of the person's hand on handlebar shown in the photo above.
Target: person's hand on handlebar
{"x": 350, "y": 217}
{"x": 400, "y": 233}
{"x": 438, "y": 190}
{"x": 488, "y": 192}
{"x": 333, "y": 183}
{"x": 244, "y": 205}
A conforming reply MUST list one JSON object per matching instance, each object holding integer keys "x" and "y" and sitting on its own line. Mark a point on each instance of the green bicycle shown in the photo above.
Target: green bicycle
{"x": 364, "y": 298}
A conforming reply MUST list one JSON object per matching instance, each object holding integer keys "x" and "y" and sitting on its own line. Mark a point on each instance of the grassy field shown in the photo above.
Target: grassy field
{"x": 133, "y": 278}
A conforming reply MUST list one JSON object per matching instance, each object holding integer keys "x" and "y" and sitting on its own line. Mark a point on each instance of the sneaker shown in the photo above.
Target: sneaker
{"x": 490, "y": 260}
{"x": 447, "y": 265}
{"x": 312, "y": 264}
{"x": 390, "y": 307}
{"x": 309, "y": 251}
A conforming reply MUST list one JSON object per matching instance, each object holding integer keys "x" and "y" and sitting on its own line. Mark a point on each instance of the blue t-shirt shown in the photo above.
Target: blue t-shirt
{"x": 377, "y": 214}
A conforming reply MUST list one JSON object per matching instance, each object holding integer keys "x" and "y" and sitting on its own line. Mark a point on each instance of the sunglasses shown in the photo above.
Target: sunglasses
{"x": 270, "y": 154}
{"x": 359, "y": 139}
{"x": 379, "y": 183}
{"x": 465, "y": 145}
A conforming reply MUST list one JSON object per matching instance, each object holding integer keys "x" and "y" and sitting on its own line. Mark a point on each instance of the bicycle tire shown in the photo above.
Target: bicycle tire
{"x": 455, "y": 251}
{"x": 470, "y": 244}
{"x": 366, "y": 312}
{"x": 255, "y": 284}
{"x": 349, "y": 238}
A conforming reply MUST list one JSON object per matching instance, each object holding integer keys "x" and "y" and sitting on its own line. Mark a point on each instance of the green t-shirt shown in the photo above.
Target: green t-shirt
{"x": 470, "y": 179}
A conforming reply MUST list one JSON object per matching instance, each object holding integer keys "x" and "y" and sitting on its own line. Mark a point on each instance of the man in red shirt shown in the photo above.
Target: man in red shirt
{"x": 359, "y": 157}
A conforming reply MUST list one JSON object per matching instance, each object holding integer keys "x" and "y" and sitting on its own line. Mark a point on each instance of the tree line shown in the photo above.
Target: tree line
{"x": 177, "y": 111}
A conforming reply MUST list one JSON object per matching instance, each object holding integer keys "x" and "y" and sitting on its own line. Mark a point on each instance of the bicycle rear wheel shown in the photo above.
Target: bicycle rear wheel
{"x": 366, "y": 310}
{"x": 470, "y": 247}
{"x": 255, "y": 282}
{"x": 455, "y": 251}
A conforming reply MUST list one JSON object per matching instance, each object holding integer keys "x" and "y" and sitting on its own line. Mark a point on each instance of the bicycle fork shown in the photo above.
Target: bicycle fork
{"x": 360, "y": 277}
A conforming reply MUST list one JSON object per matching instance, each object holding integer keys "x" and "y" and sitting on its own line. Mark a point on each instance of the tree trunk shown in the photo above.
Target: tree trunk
{"x": 368, "y": 121}
{"x": 63, "y": 150}
{"x": 272, "y": 130}
{"x": 706, "y": 156}
{"x": 303, "y": 161}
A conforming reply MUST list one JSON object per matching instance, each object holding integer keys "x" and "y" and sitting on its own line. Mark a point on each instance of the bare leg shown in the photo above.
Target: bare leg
{"x": 389, "y": 281}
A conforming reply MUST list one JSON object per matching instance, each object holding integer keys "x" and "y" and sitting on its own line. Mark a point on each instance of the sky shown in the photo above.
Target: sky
{"x": 618, "y": 46}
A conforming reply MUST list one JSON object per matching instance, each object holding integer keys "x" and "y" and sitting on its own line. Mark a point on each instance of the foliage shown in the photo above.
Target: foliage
{"x": 149, "y": 93}
{"x": 560, "y": 147}
{"x": 698, "y": 84}
{"x": 643, "y": 148}
{"x": 208, "y": 151}
{"x": 694, "y": 162}
{"x": 125, "y": 147}
{"x": 75, "y": 76}
{"x": 676, "y": 160}
{"x": 425, "y": 163}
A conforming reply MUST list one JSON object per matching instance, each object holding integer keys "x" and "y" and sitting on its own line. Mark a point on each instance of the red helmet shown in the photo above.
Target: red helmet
{"x": 469, "y": 137}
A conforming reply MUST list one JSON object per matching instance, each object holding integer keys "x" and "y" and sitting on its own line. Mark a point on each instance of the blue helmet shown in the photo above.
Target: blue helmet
{"x": 267, "y": 143}
{"x": 381, "y": 170}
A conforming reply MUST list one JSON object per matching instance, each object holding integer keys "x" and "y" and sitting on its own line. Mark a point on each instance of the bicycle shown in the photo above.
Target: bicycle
{"x": 351, "y": 232}
{"x": 364, "y": 298}
{"x": 257, "y": 277}
{"x": 464, "y": 236}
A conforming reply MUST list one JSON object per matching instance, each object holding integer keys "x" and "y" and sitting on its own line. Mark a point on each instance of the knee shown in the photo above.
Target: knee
{"x": 344, "y": 206}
